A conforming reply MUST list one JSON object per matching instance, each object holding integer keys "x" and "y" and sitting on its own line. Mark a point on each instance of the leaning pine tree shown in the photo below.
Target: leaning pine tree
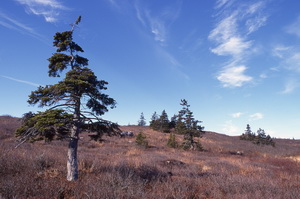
{"x": 75, "y": 103}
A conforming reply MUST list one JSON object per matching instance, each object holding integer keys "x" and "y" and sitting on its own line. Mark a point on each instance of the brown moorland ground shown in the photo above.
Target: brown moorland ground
{"x": 118, "y": 168}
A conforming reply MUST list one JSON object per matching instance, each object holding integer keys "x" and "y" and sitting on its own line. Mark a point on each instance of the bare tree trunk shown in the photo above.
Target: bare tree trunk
{"x": 72, "y": 164}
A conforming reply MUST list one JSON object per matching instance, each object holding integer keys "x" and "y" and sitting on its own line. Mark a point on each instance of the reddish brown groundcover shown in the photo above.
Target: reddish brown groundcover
{"x": 117, "y": 168}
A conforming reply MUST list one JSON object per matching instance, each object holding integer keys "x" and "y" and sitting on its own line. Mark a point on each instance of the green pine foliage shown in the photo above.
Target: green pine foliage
{"x": 248, "y": 135}
{"x": 142, "y": 121}
{"x": 164, "y": 123}
{"x": 141, "y": 140}
{"x": 189, "y": 144}
{"x": 259, "y": 138}
{"x": 48, "y": 125}
{"x": 75, "y": 103}
{"x": 189, "y": 127}
{"x": 183, "y": 123}
{"x": 153, "y": 122}
{"x": 79, "y": 94}
{"x": 160, "y": 123}
{"x": 172, "y": 141}
{"x": 263, "y": 139}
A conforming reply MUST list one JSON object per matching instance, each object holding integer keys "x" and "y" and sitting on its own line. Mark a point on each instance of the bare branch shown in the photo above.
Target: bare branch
{"x": 60, "y": 105}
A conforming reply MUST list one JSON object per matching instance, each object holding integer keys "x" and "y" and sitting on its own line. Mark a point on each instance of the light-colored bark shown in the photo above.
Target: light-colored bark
{"x": 72, "y": 164}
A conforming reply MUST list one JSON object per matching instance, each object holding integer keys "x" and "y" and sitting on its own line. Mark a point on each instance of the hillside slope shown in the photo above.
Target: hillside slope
{"x": 118, "y": 168}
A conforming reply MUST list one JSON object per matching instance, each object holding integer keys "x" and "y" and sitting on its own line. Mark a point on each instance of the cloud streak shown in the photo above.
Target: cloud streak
{"x": 49, "y": 9}
{"x": 290, "y": 62}
{"x": 230, "y": 128}
{"x": 230, "y": 35}
{"x": 236, "y": 115}
{"x": 290, "y": 85}
{"x": 294, "y": 28}
{"x": 22, "y": 81}
{"x": 234, "y": 76}
{"x": 157, "y": 23}
{"x": 16, "y": 25}
{"x": 256, "y": 116}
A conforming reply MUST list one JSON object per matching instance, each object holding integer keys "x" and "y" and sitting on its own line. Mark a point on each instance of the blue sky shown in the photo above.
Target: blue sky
{"x": 236, "y": 62}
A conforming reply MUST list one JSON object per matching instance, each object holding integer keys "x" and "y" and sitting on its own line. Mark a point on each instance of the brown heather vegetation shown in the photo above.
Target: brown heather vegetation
{"x": 117, "y": 168}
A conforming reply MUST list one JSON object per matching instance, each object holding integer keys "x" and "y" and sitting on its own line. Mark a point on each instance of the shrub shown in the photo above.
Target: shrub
{"x": 141, "y": 140}
{"x": 191, "y": 145}
{"x": 172, "y": 141}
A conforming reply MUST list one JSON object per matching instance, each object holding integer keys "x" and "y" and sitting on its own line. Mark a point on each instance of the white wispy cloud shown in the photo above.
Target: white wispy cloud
{"x": 13, "y": 24}
{"x": 225, "y": 29}
{"x": 290, "y": 62}
{"x": 234, "y": 46}
{"x": 158, "y": 29}
{"x": 256, "y": 116}
{"x": 174, "y": 63}
{"x": 255, "y": 7}
{"x": 263, "y": 75}
{"x": 255, "y": 23}
{"x": 139, "y": 13}
{"x": 231, "y": 37}
{"x": 155, "y": 25}
{"x": 234, "y": 76}
{"x": 281, "y": 51}
{"x": 290, "y": 85}
{"x": 294, "y": 28}
{"x": 49, "y": 9}
{"x": 21, "y": 81}
{"x": 290, "y": 57}
{"x": 221, "y": 3}
{"x": 293, "y": 62}
{"x": 157, "y": 22}
{"x": 230, "y": 128}
{"x": 236, "y": 115}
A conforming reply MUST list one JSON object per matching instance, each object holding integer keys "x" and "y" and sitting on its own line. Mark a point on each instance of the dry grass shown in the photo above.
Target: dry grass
{"x": 117, "y": 168}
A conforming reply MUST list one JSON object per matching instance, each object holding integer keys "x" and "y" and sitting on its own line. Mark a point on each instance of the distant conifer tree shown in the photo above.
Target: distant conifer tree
{"x": 248, "y": 135}
{"x": 154, "y": 121}
{"x": 263, "y": 139}
{"x": 142, "y": 121}
{"x": 173, "y": 122}
{"x": 189, "y": 127}
{"x": 260, "y": 138}
{"x": 164, "y": 123}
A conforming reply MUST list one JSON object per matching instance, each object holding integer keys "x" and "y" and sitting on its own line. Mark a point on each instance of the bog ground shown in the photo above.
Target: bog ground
{"x": 118, "y": 168}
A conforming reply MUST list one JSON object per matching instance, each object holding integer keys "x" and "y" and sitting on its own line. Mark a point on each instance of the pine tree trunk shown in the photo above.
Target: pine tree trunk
{"x": 72, "y": 164}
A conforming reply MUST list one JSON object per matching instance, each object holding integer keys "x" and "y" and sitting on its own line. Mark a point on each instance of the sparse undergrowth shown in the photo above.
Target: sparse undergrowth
{"x": 118, "y": 168}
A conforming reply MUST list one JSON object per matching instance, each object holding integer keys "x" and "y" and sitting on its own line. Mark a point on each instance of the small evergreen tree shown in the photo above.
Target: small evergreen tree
{"x": 269, "y": 141}
{"x": 188, "y": 126}
{"x": 260, "y": 138}
{"x": 248, "y": 135}
{"x": 154, "y": 124}
{"x": 164, "y": 123}
{"x": 142, "y": 121}
{"x": 160, "y": 123}
{"x": 141, "y": 140}
{"x": 173, "y": 122}
{"x": 263, "y": 139}
{"x": 172, "y": 141}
